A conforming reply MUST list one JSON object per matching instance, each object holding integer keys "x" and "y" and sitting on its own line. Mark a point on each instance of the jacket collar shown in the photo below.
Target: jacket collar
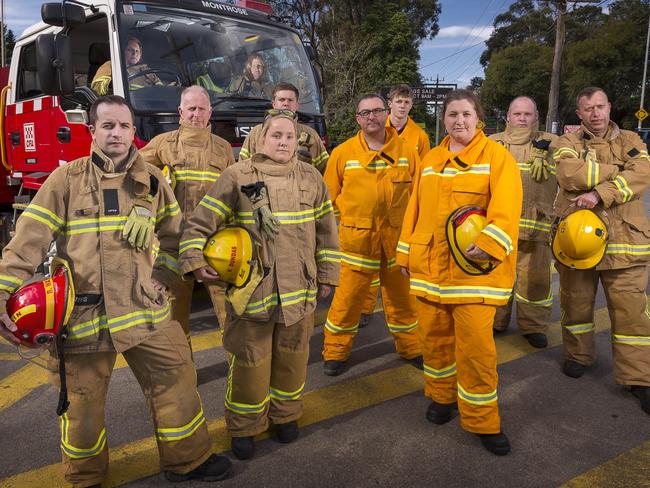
{"x": 194, "y": 136}
{"x": 519, "y": 135}
{"x": 612, "y": 132}
{"x": 265, "y": 165}
{"x": 390, "y": 152}
{"x": 135, "y": 168}
{"x": 470, "y": 154}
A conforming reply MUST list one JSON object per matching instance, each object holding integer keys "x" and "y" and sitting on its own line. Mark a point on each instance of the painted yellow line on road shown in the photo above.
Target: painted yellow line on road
{"x": 21, "y": 383}
{"x": 632, "y": 468}
{"x": 139, "y": 459}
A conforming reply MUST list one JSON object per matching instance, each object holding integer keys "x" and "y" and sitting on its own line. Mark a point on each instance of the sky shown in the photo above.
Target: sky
{"x": 452, "y": 56}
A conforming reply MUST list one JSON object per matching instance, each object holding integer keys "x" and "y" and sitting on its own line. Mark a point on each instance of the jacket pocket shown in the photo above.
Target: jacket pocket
{"x": 421, "y": 243}
{"x": 401, "y": 191}
{"x": 355, "y": 235}
{"x": 638, "y": 228}
{"x": 470, "y": 190}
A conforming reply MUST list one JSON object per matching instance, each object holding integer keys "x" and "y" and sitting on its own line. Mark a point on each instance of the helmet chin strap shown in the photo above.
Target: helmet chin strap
{"x": 62, "y": 406}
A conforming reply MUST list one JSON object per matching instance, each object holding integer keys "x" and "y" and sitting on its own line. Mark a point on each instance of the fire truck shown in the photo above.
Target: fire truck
{"x": 46, "y": 94}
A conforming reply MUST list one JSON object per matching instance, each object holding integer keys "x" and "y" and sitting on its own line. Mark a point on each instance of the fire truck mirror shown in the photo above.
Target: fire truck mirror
{"x": 54, "y": 60}
{"x": 56, "y": 14}
{"x": 76, "y": 116}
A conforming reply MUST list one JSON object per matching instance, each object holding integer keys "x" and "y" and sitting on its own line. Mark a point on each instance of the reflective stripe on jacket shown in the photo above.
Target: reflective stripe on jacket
{"x": 537, "y": 210}
{"x": 620, "y": 175}
{"x": 196, "y": 156}
{"x": 483, "y": 174}
{"x": 370, "y": 191}
{"x": 305, "y": 252}
{"x": 83, "y": 207}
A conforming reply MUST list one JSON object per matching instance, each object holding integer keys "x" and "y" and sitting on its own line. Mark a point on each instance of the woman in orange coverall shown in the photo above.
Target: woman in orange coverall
{"x": 456, "y": 309}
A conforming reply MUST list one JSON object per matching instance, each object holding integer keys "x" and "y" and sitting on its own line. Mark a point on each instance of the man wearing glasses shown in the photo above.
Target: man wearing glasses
{"x": 310, "y": 148}
{"x": 369, "y": 179}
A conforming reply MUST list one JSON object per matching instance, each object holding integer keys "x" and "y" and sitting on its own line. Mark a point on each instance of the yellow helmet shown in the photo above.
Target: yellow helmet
{"x": 580, "y": 240}
{"x": 464, "y": 225}
{"x": 230, "y": 253}
{"x": 170, "y": 175}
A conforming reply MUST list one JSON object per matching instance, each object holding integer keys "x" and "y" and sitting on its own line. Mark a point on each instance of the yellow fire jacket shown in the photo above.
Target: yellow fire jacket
{"x": 620, "y": 174}
{"x": 196, "y": 156}
{"x": 317, "y": 151}
{"x": 537, "y": 210}
{"x": 483, "y": 174}
{"x": 103, "y": 78}
{"x": 83, "y": 207}
{"x": 370, "y": 191}
{"x": 305, "y": 252}
{"x": 413, "y": 134}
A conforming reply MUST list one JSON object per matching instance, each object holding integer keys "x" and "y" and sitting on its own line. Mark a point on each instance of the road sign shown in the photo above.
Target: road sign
{"x": 641, "y": 114}
{"x": 427, "y": 93}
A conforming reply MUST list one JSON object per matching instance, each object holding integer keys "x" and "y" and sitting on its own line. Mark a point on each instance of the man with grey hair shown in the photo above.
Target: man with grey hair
{"x": 194, "y": 158}
{"x": 532, "y": 292}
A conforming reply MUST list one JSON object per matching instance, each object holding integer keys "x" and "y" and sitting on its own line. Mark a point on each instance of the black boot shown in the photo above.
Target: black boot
{"x": 215, "y": 468}
{"x": 573, "y": 369}
{"x": 288, "y": 432}
{"x": 537, "y": 339}
{"x": 495, "y": 443}
{"x": 364, "y": 320}
{"x": 417, "y": 361}
{"x": 243, "y": 447}
{"x": 643, "y": 394}
{"x": 333, "y": 367}
{"x": 440, "y": 413}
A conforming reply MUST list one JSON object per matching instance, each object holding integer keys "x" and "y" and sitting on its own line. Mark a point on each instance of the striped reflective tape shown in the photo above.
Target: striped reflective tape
{"x": 168, "y": 211}
{"x": 476, "y": 398}
{"x": 244, "y": 153}
{"x": 444, "y": 372}
{"x": 196, "y": 175}
{"x": 375, "y": 283}
{"x": 534, "y": 225}
{"x": 525, "y": 167}
{"x": 339, "y": 329}
{"x": 318, "y": 160}
{"x": 460, "y": 291}
{"x": 352, "y": 164}
{"x": 623, "y": 187}
{"x": 95, "y": 225}
{"x": 632, "y": 249}
{"x": 547, "y": 302}
{"x": 328, "y": 255}
{"x": 74, "y": 452}
{"x": 45, "y": 216}
{"x": 278, "y": 394}
{"x": 500, "y": 236}
{"x": 577, "y": 329}
{"x": 477, "y": 169}
{"x": 168, "y": 434}
{"x": 565, "y": 151}
{"x": 403, "y": 247}
{"x": 168, "y": 261}
{"x": 395, "y": 328}
{"x": 196, "y": 243}
{"x": 593, "y": 173}
{"x": 631, "y": 340}
{"x": 9, "y": 283}
{"x": 215, "y": 205}
{"x": 238, "y": 407}
{"x": 373, "y": 264}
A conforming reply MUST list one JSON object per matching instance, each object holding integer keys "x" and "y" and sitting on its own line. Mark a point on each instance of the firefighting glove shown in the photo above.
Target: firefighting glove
{"x": 539, "y": 169}
{"x": 304, "y": 147}
{"x": 139, "y": 228}
{"x": 589, "y": 155}
{"x": 268, "y": 223}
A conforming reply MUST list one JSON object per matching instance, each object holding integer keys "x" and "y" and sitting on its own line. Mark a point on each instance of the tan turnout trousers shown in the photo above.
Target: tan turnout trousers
{"x": 163, "y": 366}
{"x": 182, "y": 302}
{"x": 626, "y": 302}
{"x": 266, "y": 377}
{"x": 532, "y": 291}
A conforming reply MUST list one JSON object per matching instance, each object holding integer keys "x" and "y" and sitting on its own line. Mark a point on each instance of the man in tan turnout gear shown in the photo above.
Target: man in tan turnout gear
{"x": 310, "y": 147}
{"x": 267, "y": 334}
{"x": 369, "y": 178}
{"x": 90, "y": 207}
{"x": 532, "y": 292}
{"x": 604, "y": 168}
{"x": 195, "y": 158}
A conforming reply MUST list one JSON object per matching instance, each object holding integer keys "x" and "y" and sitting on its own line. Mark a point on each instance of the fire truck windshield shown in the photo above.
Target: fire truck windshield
{"x": 237, "y": 61}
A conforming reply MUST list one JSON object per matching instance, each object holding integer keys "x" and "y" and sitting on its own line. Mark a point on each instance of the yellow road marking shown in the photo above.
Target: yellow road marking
{"x": 632, "y": 468}
{"x": 9, "y": 356}
{"x": 21, "y": 383}
{"x": 139, "y": 459}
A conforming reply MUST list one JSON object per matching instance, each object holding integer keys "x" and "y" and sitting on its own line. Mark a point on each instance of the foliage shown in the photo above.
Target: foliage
{"x": 10, "y": 41}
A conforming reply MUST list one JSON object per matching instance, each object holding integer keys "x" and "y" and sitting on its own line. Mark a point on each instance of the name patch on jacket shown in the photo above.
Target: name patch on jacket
{"x": 111, "y": 202}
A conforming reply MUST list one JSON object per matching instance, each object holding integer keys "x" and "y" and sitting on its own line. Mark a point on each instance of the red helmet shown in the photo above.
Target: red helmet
{"x": 41, "y": 309}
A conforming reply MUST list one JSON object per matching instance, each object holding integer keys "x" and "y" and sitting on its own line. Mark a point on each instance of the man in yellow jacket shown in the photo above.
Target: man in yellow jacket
{"x": 195, "y": 158}
{"x": 400, "y": 103}
{"x": 604, "y": 168}
{"x": 87, "y": 208}
{"x": 311, "y": 149}
{"x": 369, "y": 179}
{"x": 530, "y": 148}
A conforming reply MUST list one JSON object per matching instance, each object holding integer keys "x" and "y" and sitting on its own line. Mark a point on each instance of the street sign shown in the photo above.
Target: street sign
{"x": 427, "y": 93}
{"x": 641, "y": 114}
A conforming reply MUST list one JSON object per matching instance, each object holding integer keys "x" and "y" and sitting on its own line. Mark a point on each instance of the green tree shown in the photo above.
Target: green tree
{"x": 10, "y": 42}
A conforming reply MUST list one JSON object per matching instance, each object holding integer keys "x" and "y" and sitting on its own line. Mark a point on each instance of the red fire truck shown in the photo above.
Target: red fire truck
{"x": 46, "y": 96}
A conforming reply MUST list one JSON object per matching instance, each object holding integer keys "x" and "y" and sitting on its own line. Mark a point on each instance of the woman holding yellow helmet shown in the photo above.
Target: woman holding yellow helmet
{"x": 283, "y": 204}
{"x": 458, "y": 243}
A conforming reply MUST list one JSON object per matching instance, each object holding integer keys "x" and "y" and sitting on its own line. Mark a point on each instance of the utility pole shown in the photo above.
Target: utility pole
{"x": 2, "y": 33}
{"x": 554, "y": 92}
{"x": 645, "y": 70}
{"x": 437, "y": 120}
